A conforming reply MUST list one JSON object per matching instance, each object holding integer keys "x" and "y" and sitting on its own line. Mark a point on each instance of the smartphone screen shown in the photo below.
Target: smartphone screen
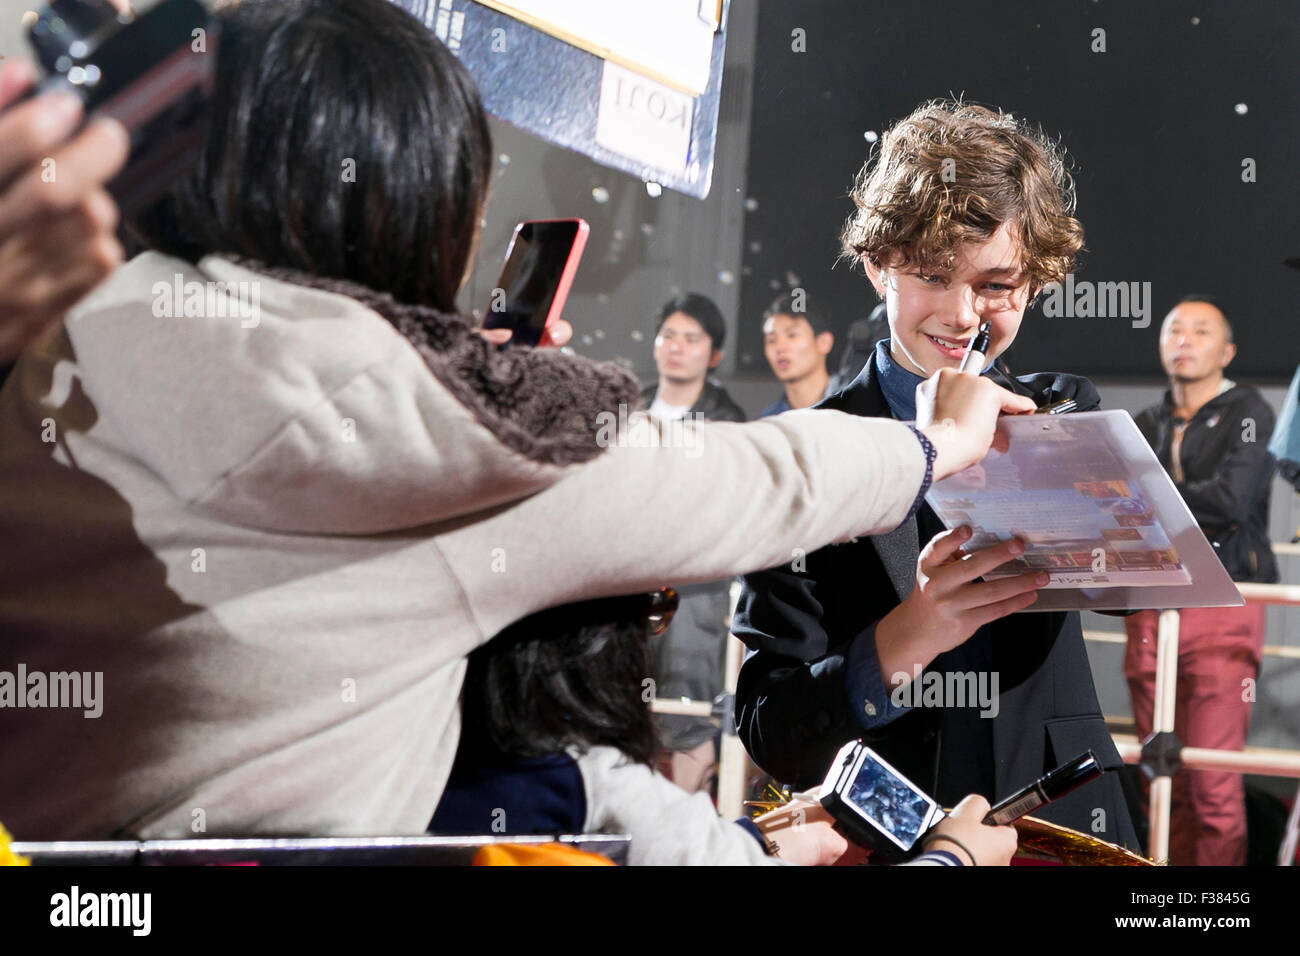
{"x": 540, "y": 265}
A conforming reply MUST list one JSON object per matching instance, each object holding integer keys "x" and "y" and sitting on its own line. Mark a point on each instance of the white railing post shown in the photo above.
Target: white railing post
{"x": 1286, "y": 854}
{"x": 1162, "y": 720}
{"x": 732, "y": 759}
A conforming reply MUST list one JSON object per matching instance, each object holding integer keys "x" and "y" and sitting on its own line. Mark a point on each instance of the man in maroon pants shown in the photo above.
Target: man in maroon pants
{"x": 1211, "y": 436}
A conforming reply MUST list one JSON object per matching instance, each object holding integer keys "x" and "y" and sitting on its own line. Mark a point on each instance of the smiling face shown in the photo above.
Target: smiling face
{"x": 933, "y": 314}
{"x": 1195, "y": 343}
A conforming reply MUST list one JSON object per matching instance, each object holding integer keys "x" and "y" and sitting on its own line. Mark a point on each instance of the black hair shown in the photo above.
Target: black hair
{"x": 572, "y": 676}
{"x": 344, "y": 140}
{"x": 1208, "y": 300}
{"x": 799, "y": 306}
{"x": 700, "y": 308}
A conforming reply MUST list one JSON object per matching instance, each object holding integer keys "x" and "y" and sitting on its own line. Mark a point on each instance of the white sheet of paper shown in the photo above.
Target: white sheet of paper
{"x": 644, "y": 120}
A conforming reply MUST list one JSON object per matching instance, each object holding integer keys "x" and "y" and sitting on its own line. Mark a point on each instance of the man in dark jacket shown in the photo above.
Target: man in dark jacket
{"x": 688, "y": 657}
{"x": 1211, "y": 435}
{"x": 688, "y": 345}
{"x": 797, "y": 338}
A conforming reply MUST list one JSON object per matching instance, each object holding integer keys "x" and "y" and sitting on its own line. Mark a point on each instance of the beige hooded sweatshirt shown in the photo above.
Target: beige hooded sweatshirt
{"x": 249, "y": 532}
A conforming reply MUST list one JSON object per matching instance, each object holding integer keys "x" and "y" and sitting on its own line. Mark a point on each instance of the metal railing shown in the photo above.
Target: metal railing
{"x": 1256, "y": 760}
{"x": 1278, "y": 763}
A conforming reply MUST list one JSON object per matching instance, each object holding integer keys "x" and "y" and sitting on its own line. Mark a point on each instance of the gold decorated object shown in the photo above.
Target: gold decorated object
{"x": 771, "y": 798}
{"x": 7, "y": 856}
{"x": 1040, "y": 840}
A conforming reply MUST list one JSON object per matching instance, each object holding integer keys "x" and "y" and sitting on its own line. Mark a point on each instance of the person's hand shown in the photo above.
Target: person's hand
{"x": 57, "y": 222}
{"x": 959, "y": 414}
{"x": 804, "y": 834}
{"x": 991, "y": 846}
{"x": 560, "y": 333}
{"x": 947, "y": 605}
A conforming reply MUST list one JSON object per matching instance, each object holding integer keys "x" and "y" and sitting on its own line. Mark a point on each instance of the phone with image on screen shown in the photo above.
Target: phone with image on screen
{"x": 541, "y": 261}
{"x": 874, "y": 804}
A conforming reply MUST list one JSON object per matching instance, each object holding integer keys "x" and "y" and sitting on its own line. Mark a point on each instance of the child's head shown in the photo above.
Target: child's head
{"x": 571, "y": 676}
{"x": 962, "y": 216}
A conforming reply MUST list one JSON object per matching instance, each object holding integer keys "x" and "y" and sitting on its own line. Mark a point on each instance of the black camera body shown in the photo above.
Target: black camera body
{"x": 153, "y": 73}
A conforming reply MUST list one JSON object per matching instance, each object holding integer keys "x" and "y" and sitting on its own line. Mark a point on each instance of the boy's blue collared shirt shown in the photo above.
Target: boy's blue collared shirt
{"x": 898, "y": 384}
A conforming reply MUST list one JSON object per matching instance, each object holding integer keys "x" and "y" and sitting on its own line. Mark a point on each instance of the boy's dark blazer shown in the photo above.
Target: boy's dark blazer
{"x": 793, "y": 711}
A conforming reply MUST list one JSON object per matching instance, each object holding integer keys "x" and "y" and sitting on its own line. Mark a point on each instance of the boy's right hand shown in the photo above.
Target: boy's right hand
{"x": 959, "y": 414}
{"x": 991, "y": 846}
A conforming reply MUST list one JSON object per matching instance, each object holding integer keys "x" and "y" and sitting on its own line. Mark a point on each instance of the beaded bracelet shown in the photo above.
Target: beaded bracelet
{"x": 930, "y": 454}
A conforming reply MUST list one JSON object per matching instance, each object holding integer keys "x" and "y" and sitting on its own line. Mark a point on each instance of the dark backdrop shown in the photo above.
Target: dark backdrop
{"x": 1153, "y": 126}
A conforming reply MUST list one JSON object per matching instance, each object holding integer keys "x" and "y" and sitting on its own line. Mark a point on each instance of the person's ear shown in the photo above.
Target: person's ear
{"x": 825, "y": 342}
{"x": 1229, "y": 353}
{"x": 715, "y": 357}
{"x": 876, "y": 275}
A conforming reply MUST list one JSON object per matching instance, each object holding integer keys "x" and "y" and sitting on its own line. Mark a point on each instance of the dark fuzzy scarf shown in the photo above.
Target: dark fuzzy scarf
{"x": 540, "y": 403}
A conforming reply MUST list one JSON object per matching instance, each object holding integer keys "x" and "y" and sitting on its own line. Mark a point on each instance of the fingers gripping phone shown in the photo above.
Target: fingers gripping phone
{"x": 153, "y": 72}
{"x": 541, "y": 261}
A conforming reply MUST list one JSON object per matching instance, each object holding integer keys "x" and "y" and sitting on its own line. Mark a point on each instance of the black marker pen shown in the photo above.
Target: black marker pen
{"x": 977, "y": 351}
{"x": 1045, "y": 789}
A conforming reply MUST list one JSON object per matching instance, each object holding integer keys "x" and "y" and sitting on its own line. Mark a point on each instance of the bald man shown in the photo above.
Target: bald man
{"x": 1211, "y": 435}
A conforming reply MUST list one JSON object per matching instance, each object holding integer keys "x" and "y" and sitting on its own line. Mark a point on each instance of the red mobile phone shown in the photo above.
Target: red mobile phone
{"x": 540, "y": 264}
